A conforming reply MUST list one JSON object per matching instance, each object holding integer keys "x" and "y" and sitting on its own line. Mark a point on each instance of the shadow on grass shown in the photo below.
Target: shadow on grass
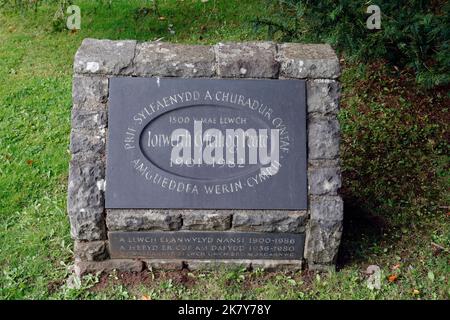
{"x": 362, "y": 233}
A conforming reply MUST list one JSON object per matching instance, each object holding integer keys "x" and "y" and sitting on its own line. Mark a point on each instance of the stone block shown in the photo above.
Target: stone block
{"x": 206, "y": 220}
{"x": 246, "y": 60}
{"x": 323, "y": 139}
{"x": 88, "y": 141}
{"x": 323, "y": 96}
{"x": 89, "y": 92}
{"x": 87, "y": 225}
{"x": 324, "y": 181}
{"x": 86, "y": 186}
{"x": 329, "y": 208}
{"x": 105, "y": 57}
{"x": 269, "y": 221}
{"x": 322, "y": 241}
{"x": 121, "y": 265}
{"x": 174, "y": 60}
{"x": 142, "y": 220}
{"x": 91, "y": 250}
{"x": 85, "y": 201}
{"x": 89, "y": 119}
{"x": 164, "y": 264}
{"x": 308, "y": 61}
{"x": 267, "y": 265}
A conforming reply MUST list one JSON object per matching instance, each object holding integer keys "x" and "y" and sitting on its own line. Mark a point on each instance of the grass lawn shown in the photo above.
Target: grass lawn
{"x": 394, "y": 151}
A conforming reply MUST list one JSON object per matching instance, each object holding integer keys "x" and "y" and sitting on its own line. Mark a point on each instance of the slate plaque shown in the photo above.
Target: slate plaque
{"x": 206, "y": 245}
{"x": 206, "y": 144}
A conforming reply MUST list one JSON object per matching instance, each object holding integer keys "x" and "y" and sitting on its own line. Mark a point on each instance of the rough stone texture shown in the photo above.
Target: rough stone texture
{"x": 142, "y": 220}
{"x": 89, "y": 91}
{"x": 247, "y": 60}
{"x": 130, "y": 265}
{"x": 323, "y": 96}
{"x": 324, "y": 181}
{"x": 268, "y": 265}
{"x": 323, "y": 163}
{"x": 87, "y": 225}
{"x": 174, "y": 60}
{"x": 270, "y": 221}
{"x": 91, "y": 250}
{"x": 86, "y": 200}
{"x": 323, "y": 139}
{"x": 324, "y": 228}
{"x": 206, "y": 220}
{"x": 173, "y": 264}
{"x": 87, "y": 141}
{"x": 89, "y": 119}
{"x": 322, "y": 241}
{"x": 308, "y": 61}
{"x": 105, "y": 57}
{"x": 122, "y": 265}
{"x": 88, "y": 157}
{"x": 326, "y": 208}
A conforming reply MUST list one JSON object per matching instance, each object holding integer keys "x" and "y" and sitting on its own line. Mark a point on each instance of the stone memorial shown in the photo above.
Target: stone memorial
{"x": 195, "y": 156}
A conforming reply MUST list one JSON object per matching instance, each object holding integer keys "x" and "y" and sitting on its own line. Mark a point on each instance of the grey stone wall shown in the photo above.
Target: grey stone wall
{"x": 97, "y": 60}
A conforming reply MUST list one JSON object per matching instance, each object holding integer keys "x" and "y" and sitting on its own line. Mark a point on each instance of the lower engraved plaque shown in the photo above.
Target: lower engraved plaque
{"x": 207, "y": 245}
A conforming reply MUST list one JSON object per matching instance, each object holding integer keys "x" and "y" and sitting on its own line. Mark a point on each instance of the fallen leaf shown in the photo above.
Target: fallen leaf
{"x": 393, "y": 278}
{"x": 415, "y": 291}
{"x": 145, "y": 297}
{"x": 162, "y": 18}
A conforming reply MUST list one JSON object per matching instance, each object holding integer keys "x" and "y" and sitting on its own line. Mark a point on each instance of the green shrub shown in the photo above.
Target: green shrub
{"x": 414, "y": 33}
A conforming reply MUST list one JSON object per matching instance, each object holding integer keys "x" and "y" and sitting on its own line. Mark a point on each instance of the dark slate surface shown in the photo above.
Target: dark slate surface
{"x": 207, "y": 245}
{"x": 139, "y": 173}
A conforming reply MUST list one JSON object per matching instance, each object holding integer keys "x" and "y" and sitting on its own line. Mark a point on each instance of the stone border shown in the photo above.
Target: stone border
{"x": 97, "y": 60}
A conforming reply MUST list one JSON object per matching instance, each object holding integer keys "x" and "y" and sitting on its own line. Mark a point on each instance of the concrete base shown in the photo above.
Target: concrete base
{"x": 132, "y": 265}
